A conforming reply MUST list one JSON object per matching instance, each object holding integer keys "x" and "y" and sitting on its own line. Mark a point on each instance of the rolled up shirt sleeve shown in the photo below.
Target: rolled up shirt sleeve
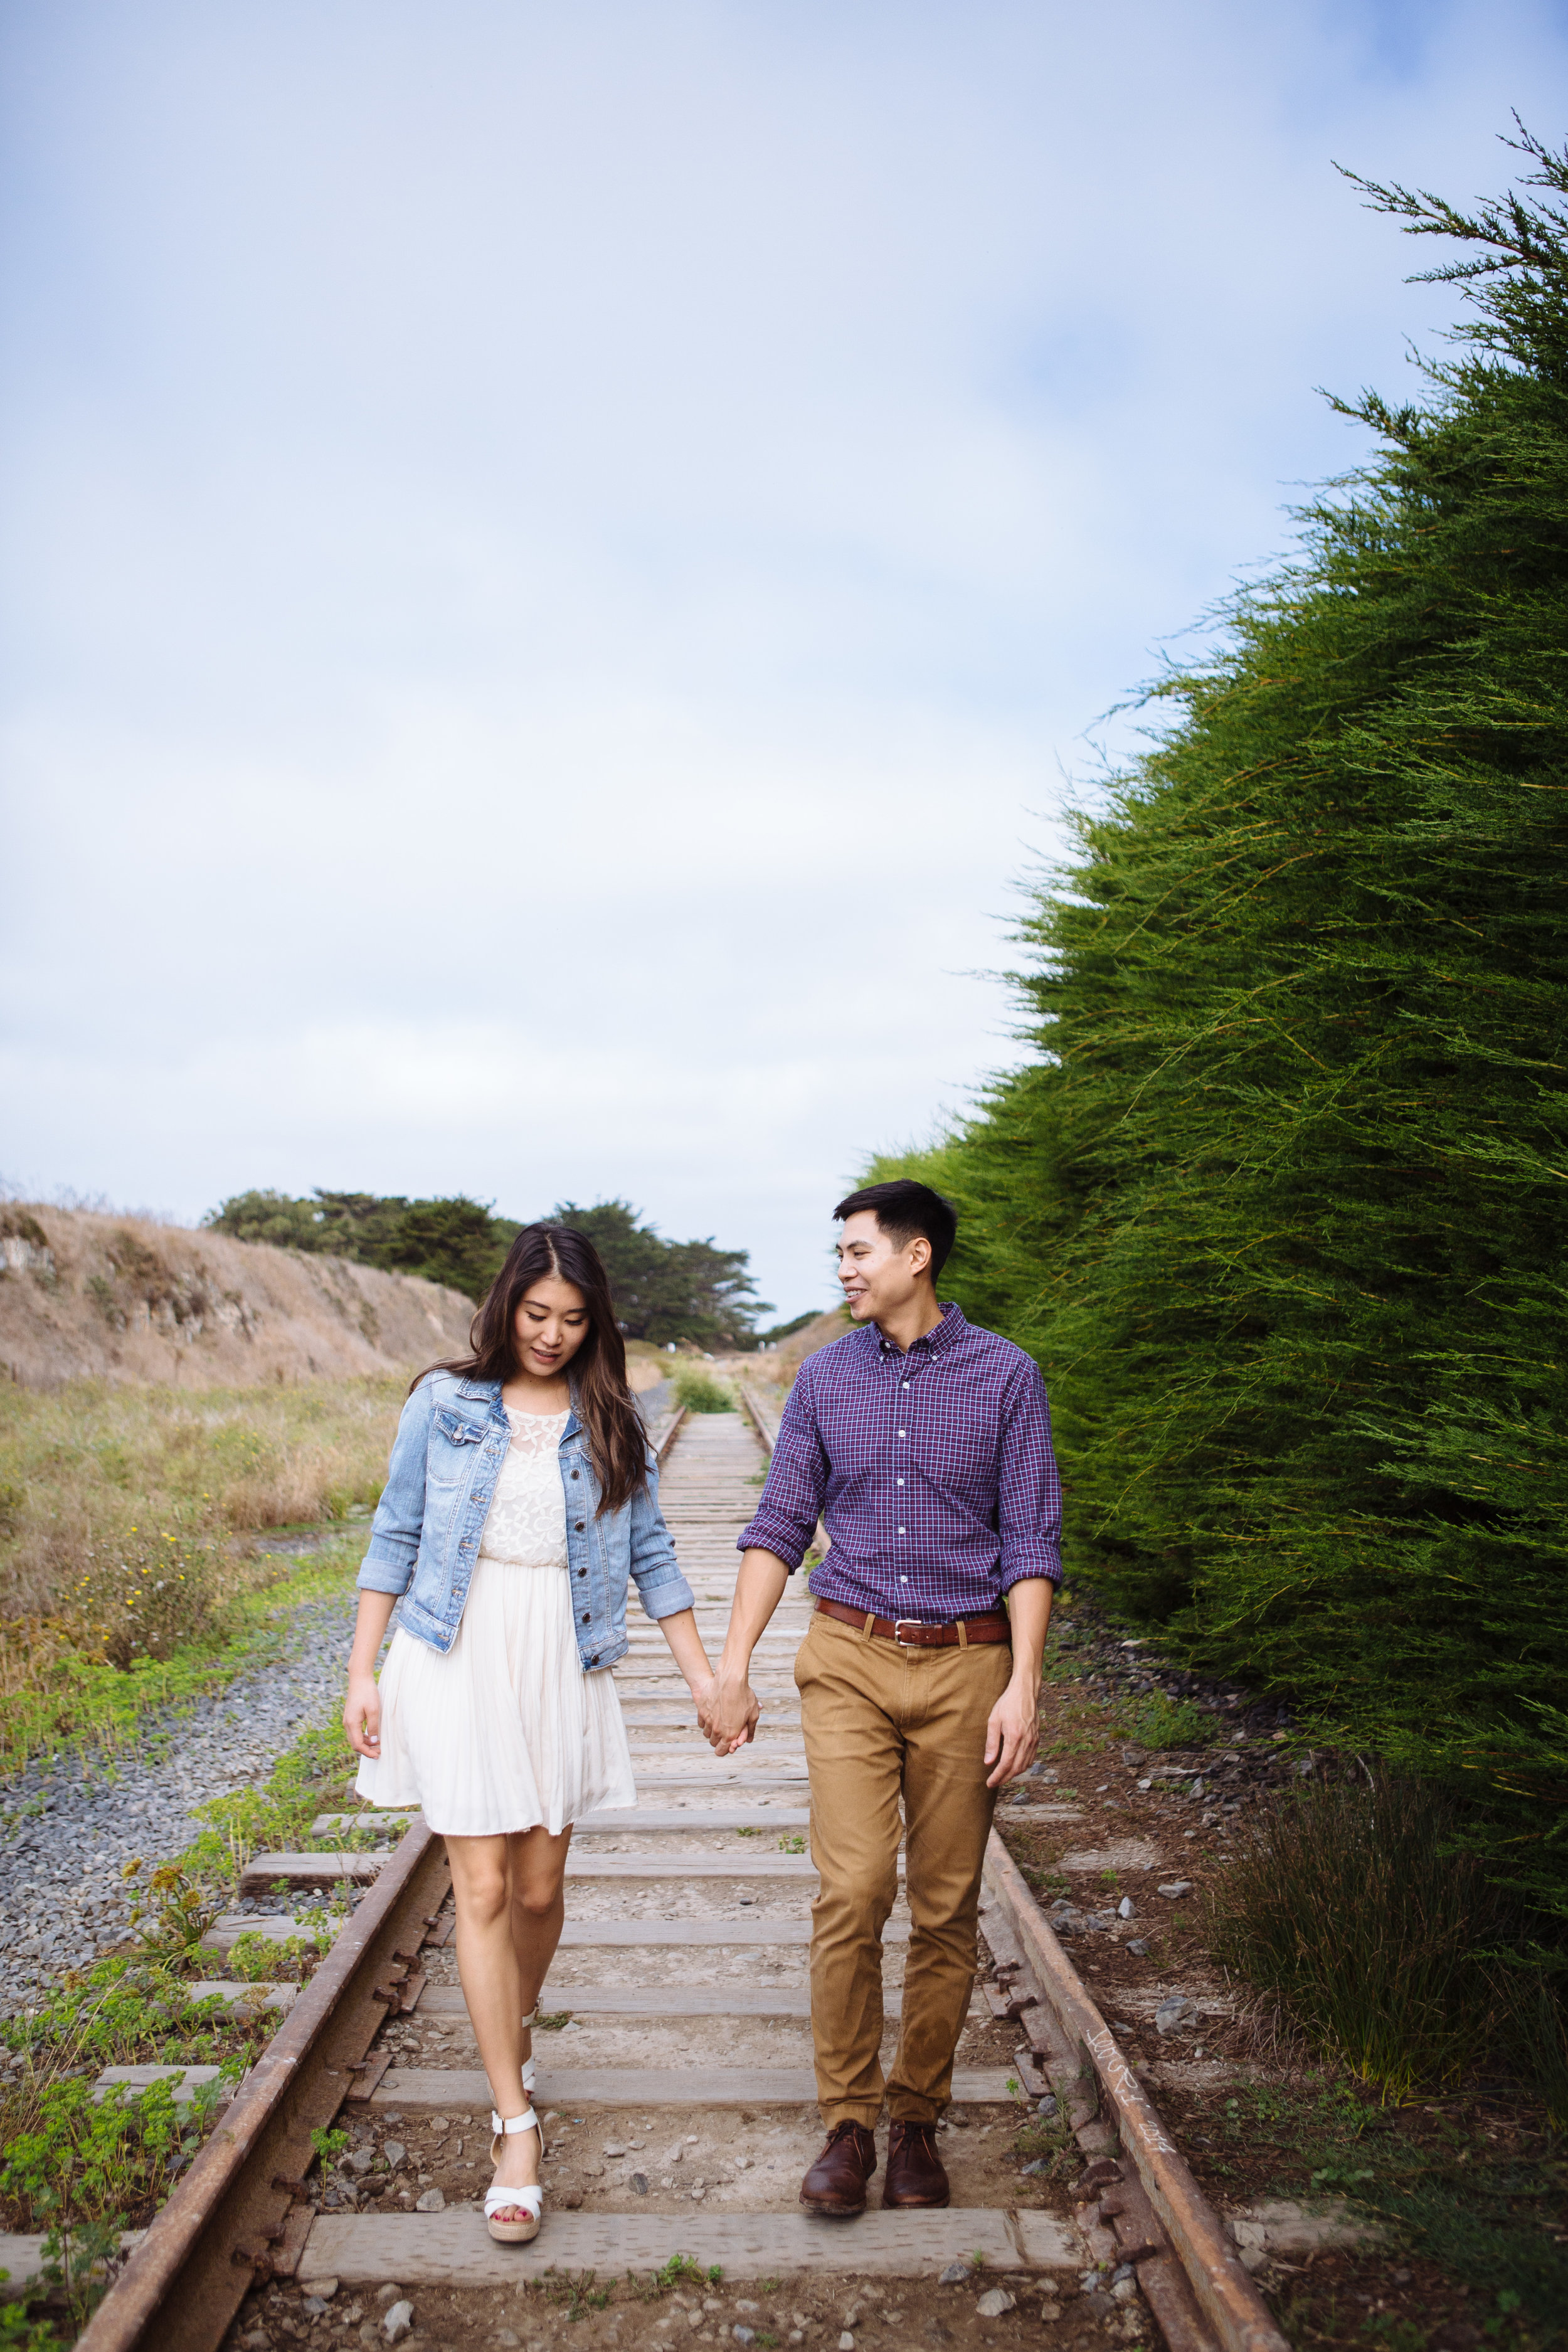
{"x": 1028, "y": 1487}
{"x": 388, "y": 1565}
{"x": 787, "y": 1518}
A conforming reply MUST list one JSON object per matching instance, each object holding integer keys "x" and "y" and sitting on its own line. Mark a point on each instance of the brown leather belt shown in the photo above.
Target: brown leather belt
{"x": 911, "y": 1635}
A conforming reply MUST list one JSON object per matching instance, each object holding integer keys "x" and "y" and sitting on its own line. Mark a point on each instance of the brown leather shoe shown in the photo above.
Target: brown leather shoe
{"x": 835, "y": 2184}
{"x": 915, "y": 2174}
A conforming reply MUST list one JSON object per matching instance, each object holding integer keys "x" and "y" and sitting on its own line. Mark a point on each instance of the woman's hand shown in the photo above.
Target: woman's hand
{"x": 731, "y": 1715}
{"x": 361, "y": 1708}
{"x": 361, "y": 1715}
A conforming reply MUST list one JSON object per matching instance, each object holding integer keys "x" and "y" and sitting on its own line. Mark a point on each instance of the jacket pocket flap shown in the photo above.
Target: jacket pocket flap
{"x": 461, "y": 1433}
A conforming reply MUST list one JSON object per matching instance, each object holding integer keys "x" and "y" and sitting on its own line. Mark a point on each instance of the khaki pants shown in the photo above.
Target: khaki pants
{"x": 880, "y": 1722}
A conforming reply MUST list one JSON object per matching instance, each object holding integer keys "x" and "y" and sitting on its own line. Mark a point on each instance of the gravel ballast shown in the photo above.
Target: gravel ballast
{"x": 69, "y": 1825}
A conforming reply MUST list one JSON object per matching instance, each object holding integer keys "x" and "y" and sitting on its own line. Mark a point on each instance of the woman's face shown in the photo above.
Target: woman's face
{"x": 550, "y": 1326}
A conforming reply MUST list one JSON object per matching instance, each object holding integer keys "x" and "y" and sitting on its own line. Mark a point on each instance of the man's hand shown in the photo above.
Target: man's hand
{"x": 729, "y": 1715}
{"x": 1013, "y": 1732}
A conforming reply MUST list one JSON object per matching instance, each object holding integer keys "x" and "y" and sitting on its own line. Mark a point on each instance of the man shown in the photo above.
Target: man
{"x": 924, "y": 1445}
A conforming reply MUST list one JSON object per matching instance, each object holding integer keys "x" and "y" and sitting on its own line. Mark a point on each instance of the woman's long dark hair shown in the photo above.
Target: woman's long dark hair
{"x": 598, "y": 1369}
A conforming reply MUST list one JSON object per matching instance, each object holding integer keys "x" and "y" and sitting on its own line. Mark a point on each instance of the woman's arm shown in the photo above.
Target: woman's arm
{"x": 686, "y": 1648}
{"x": 361, "y": 1708}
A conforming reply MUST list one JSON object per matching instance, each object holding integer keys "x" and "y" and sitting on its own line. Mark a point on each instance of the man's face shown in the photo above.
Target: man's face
{"x": 878, "y": 1276}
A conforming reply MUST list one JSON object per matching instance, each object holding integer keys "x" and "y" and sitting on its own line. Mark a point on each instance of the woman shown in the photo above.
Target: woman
{"x": 521, "y": 1497}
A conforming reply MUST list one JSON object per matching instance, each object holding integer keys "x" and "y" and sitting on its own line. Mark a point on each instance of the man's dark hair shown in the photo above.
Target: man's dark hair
{"x": 903, "y": 1209}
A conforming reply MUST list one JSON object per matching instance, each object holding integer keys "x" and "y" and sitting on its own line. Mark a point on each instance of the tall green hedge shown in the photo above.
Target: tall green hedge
{"x": 1281, "y": 1204}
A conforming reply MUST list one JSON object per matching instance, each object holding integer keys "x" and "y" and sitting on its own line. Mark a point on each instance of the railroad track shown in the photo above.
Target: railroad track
{"x": 679, "y": 2084}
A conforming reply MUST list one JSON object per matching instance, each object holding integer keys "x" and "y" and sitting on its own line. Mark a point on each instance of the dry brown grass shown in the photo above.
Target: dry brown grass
{"x": 126, "y": 1509}
{"x": 778, "y": 1366}
{"x": 115, "y": 1298}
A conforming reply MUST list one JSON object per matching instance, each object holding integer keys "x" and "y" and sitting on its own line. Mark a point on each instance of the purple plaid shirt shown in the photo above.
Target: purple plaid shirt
{"x": 932, "y": 1473}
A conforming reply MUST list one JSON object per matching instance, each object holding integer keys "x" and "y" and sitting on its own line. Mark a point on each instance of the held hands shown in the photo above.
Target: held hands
{"x": 362, "y": 1716}
{"x": 727, "y": 1713}
{"x": 1013, "y": 1731}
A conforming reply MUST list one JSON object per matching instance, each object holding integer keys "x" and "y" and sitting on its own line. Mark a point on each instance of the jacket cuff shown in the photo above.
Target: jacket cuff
{"x": 381, "y": 1574}
{"x": 665, "y": 1593}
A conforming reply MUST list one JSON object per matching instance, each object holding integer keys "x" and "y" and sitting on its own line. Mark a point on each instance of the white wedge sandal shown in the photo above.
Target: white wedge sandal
{"x": 500, "y": 2201}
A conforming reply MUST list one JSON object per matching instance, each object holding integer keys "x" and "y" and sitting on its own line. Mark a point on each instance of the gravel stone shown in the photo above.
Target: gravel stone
{"x": 1174, "y": 2011}
{"x": 69, "y": 1824}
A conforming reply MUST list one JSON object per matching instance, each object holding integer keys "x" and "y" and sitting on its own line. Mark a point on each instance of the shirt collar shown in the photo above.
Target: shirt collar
{"x": 938, "y": 1339}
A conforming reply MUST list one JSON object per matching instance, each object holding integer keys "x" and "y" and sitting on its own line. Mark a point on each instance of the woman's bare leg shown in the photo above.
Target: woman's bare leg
{"x": 538, "y": 1909}
{"x": 483, "y": 1873}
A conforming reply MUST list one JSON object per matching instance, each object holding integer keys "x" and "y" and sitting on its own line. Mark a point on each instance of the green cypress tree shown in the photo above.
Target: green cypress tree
{"x": 1283, "y": 1205}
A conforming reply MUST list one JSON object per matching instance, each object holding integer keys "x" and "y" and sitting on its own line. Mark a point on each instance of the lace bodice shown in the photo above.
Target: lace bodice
{"x": 527, "y": 1521}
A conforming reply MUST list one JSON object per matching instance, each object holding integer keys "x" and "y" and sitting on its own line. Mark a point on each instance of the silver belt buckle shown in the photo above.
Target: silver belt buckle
{"x": 899, "y": 1625}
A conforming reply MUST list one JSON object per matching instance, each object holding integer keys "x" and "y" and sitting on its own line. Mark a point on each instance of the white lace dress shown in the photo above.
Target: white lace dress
{"x": 505, "y": 1731}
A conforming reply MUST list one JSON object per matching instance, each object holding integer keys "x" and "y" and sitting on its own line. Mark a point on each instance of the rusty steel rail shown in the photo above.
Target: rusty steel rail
{"x": 227, "y": 2222}
{"x": 669, "y": 1433}
{"x": 763, "y": 1421}
{"x": 1158, "y": 2219}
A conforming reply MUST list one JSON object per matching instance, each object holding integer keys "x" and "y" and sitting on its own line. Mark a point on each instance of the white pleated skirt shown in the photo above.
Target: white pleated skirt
{"x": 504, "y": 1731}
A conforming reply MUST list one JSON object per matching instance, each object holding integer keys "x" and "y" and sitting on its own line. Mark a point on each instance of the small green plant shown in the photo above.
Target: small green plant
{"x": 256, "y": 1958}
{"x": 699, "y": 1392}
{"x": 684, "y": 2268}
{"x": 84, "y": 2158}
{"x": 20, "y": 2332}
{"x": 553, "y": 2023}
{"x": 175, "y": 1915}
{"x": 792, "y": 1841}
{"x": 1160, "y": 1722}
{"x": 750, "y": 1833}
{"x": 579, "y": 2294}
{"x": 329, "y": 2145}
{"x": 76, "y": 2262}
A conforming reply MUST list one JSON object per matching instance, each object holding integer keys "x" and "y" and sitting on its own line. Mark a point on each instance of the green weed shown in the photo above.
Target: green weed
{"x": 19, "y": 2332}
{"x": 1158, "y": 1722}
{"x": 699, "y": 1392}
{"x": 684, "y": 2268}
{"x": 791, "y": 1841}
{"x": 176, "y": 1913}
{"x": 580, "y": 2296}
{"x": 1351, "y": 1904}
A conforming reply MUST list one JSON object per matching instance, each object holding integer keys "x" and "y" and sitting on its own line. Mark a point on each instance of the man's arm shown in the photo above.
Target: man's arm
{"x": 1013, "y": 1732}
{"x": 772, "y": 1548}
{"x": 1030, "y": 1518}
{"x": 732, "y": 1708}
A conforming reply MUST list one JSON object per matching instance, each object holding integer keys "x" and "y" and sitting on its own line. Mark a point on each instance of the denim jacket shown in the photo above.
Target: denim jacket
{"x": 425, "y": 1538}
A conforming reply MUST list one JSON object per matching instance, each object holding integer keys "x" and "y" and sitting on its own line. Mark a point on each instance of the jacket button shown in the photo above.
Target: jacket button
{"x": 582, "y": 1572}
{"x": 595, "y": 1659}
{"x": 587, "y": 1614}
{"x": 579, "y": 1526}
{"x": 576, "y": 1474}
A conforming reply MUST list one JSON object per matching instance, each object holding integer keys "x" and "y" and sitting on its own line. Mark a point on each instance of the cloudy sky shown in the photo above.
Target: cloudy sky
{"x": 563, "y": 559}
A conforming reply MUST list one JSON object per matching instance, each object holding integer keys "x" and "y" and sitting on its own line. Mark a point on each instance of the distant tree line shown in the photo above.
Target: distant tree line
{"x": 1281, "y": 1200}
{"x": 664, "y": 1290}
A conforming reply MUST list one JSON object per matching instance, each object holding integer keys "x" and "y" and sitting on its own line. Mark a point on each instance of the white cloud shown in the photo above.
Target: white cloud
{"x": 557, "y": 556}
